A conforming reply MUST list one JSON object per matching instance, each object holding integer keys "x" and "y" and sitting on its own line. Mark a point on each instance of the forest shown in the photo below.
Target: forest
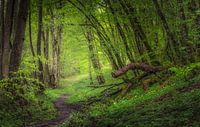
{"x": 99, "y": 63}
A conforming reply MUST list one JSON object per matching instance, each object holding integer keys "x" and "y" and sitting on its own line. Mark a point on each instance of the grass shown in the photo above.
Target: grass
{"x": 137, "y": 108}
{"x": 76, "y": 86}
{"x": 180, "y": 110}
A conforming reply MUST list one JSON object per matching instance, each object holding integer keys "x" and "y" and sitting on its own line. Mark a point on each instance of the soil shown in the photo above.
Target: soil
{"x": 64, "y": 110}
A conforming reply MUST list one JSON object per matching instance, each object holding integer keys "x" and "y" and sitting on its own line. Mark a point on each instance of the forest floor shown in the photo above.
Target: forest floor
{"x": 64, "y": 110}
{"x": 176, "y": 104}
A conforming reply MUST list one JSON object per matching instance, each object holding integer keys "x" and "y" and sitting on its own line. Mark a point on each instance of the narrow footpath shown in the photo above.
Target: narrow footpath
{"x": 64, "y": 110}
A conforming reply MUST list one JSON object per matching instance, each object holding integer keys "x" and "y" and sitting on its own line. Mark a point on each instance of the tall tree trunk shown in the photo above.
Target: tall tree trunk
{"x": 56, "y": 38}
{"x": 94, "y": 57}
{"x": 31, "y": 40}
{"x": 2, "y": 2}
{"x": 184, "y": 32}
{"x": 46, "y": 55}
{"x": 54, "y": 68}
{"x": 30, "y": 32}
{"x": 6, "y": 35}
{"x": 39, "y": 39}
{"x": 14, "y": 20}
{"x": 59, "y": 38}
{"x": 19, "y": 36}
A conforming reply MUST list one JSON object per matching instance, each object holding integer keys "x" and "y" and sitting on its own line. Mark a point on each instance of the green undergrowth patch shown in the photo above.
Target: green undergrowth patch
{"x": 142, "y": 109}
{"x": 79, "y": 88}
{"x": 22, "y": 102}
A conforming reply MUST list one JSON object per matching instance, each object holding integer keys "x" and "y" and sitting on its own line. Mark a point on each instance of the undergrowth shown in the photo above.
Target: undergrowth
{"x": 139, "y": 108}
{"x": 22, "y": 102}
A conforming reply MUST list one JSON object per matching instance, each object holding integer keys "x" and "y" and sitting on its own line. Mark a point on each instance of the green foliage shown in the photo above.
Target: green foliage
{"x": 141, "y": 109}
{"x": 182, "y": 72}
{"x": 22, "y": 102}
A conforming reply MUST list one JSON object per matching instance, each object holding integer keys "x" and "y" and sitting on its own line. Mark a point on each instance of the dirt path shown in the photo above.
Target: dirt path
{"x": 64, "y": 111}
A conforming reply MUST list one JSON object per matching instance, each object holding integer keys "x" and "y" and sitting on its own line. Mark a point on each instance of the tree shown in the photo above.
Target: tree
{"x": 17, "y": 45}
{"x": 93, "y": 55}
{"x": 6, "y": 38}
{"x": 2, "y": 2}
{"x": 39, "y": 40}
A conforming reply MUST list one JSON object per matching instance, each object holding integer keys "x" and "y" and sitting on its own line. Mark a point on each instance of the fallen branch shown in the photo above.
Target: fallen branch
{"x": 100, "y": 86}
{"x": 138, "y": 66}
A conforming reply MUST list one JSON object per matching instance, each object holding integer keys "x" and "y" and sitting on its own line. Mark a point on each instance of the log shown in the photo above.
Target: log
{"x": 138, "y": 66}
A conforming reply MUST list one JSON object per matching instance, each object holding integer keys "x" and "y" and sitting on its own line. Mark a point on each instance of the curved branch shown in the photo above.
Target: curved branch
{"x": 138, "y": 66}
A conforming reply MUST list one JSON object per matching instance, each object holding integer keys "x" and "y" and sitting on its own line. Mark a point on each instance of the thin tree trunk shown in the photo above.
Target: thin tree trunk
{"x": 90, "y": 72}
{"x": 2, "y": 2}
{"x": 31, "y": 40}
{"x": 46, "y": 55}
{"x": 54, "y": 68}
{"x": 30, "y": 32}
{"x": 94, "y": 57}
{"x": 19, "y": 36}
{"x": 59, "y": 38}
{"x": 39, "y": 39}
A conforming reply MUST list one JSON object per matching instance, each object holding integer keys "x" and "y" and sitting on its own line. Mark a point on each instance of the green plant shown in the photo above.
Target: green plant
{"x": 21, "y": 99}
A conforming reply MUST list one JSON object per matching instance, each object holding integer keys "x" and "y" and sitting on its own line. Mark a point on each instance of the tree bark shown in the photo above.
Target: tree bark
{"x": 54, "y": 68}
{"x": 56, "y": 39}
{"x": 30, "y": 32}
{"x": 94, "y": 57}
{"x": 39, "y": 40}
{"x": 46, "y": 55}
{"x": 59, "y": 38}
{"x": 6, "y": 35}
{"x": 19, "y": 36}
{"x": 139, "y": 66}
{"x": 2, "y": 2}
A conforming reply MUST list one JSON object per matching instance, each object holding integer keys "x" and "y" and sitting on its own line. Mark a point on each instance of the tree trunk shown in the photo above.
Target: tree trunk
{"x": 39, "y": 40}
{"x": 138, "y": 66}
{"x": 94, "y": 57}
{"x": 30, "y": 32}
{"x": 2, "y": 2}
{"x": 59, "y": 38}
{"x": 31, "y": 40}
{"x": 46, "y": 55}
{"x": 6, "y": 35}
{"x": 19, "y": 36}
{"x": 90, "y": 72}
{"x": 54, "y": 68}
{"x": 56, "y": 39}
